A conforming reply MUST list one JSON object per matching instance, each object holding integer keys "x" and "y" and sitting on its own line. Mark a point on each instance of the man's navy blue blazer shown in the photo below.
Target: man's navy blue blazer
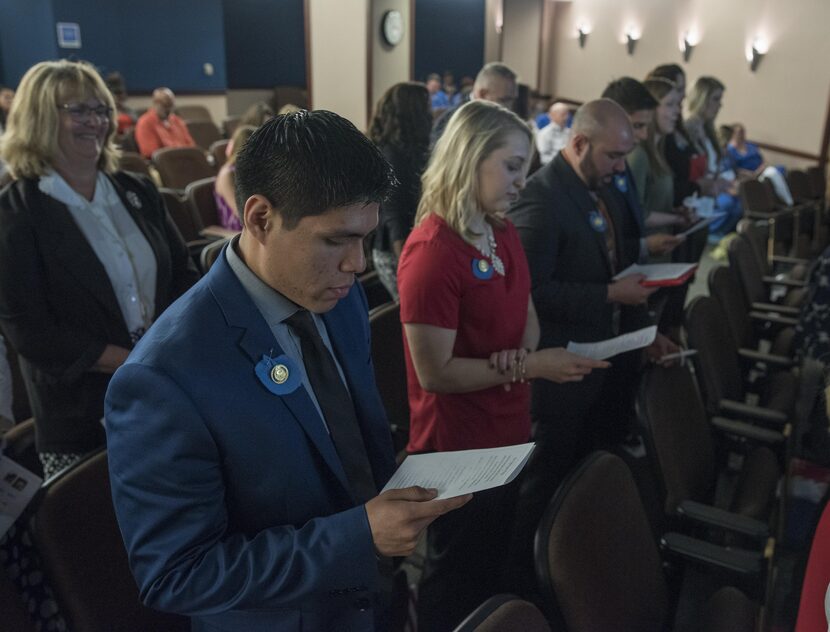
{"x": 232, "y": 501}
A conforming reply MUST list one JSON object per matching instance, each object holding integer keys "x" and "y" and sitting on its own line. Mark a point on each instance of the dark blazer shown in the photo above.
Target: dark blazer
{"x": 58, "y": 308}
{"x": 632, "y": 224}
{"x": 232, "y": 501}
{"x": 569, "y": 265}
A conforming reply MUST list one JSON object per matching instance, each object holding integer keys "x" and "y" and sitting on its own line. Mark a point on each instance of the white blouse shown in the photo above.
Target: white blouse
{"x": 117, "y": 242}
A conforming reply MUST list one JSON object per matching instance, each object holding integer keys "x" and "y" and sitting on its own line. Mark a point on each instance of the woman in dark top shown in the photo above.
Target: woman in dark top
{"x": 88, "y": 256}
{"x": 400, "y": 128}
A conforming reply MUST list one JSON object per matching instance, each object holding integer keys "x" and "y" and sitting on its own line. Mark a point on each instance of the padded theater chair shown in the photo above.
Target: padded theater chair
{"x": 390, "y": 369}
{"x": 204, "y": 133}
{"x": 750, "y": 327}
{"x": 189, "y": 225}
{"x": 217, "y": 150}
{"x": 683, "y": 451}
{"x": 756, "y": 286}
{"x": 599, "y": 567}
{"x": 135, "y": 162}
{"x": 192, "y": 113}
{"x": 179, "y": 166}
{"x": 770, "y": 264}
{"x": 76, "y": 532}
{"x": 12, "y": 610}
{"x": 21, "y": 448}
{"x": 505, "y": 613}
{"x": 724, "y": 382}
{"x": 210, "y": 254}
{"x": 760, "y": 204}
{"x": 199, "y": 195}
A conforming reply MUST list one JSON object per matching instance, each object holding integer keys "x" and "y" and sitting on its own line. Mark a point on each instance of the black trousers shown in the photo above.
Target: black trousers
{"x": 465, "y": 561}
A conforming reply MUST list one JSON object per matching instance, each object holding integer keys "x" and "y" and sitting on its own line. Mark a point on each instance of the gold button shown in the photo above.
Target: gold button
{"x": 279, "y": 373}
{"x": 483, "y": 266}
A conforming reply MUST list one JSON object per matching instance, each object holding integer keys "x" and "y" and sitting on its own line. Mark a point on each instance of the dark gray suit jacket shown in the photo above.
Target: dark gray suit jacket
{"x": 569, "y": 264}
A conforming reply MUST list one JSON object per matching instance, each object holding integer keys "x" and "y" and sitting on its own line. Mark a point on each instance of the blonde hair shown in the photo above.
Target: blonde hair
{"x": 238, "y": 140}
{"x": 450, "y": 182}
{"x": 30, "y": 142}
{"x": 704, "y": 88}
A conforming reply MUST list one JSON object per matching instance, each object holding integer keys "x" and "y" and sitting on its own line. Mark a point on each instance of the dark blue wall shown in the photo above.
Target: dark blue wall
{"x": 449, "y": 35}
{"x": 152, "y": 42}
{"x": 265, "y": 43}
{"x": 27, "y": 36}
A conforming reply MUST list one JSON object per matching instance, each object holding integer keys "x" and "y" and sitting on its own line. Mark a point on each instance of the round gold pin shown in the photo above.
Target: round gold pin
{"x": 279, "y": 373}
{"x": 483, "y": 266}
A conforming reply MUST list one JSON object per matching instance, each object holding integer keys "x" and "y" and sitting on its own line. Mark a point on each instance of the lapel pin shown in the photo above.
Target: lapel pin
{"x": 482, "y": 269}
{"x": 597, "y": 221}
{"x": 133, "y": 199}
{"x": 279, "y": 375}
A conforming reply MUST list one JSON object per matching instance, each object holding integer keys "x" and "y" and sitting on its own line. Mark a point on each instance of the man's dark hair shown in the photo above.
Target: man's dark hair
{"x": 630, "y": 94}
{"x": 667, "y": 71}
{"x": 306, "y": 163}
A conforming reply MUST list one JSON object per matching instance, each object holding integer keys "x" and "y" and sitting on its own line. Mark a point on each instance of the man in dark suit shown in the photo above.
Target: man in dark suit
{"x": 570, "y": 223}
{"x": 247, "y": 440}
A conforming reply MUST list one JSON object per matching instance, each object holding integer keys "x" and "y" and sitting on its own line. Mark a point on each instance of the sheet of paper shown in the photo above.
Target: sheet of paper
{"x": 703, "y": 206}
{"x": 605, "y": 349}
{"x": 17, "y": 488}
{"x": 657, "y": 271}
{"x": 703, "y": 223}
{"x": 462, "y": 472}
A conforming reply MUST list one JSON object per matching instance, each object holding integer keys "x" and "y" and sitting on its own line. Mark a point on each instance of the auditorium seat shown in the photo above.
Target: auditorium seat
{"x": 750, "y": 328}
{"x": 179, "y": 166}
{"x": 76, "y": 533}
{"x": 189, "y": 225}
{"x": 205, "y": 133}
{"x": 21, "y": 448}
{"x": 376, "y": 293}
{"x": 210, "y": 254}
{"x": 217, "y": 150}
{"x": 229, "y": 125}
{"x": 21, "y": 408}
{"x": 199, "y": 195}
{"x": 682, "y": 452}
{"x": 194, "y": 113}
{"x": 724, "y": 381}
{"x": 599, "y": 567}
{"x": 290, "y": 95}
{"x": 505, "y": 613}
{"x": 757, "y": 232}
{"x": 390, "y": 369}
{"x": 135, "y": 162}
{"x": 759, "y": 204}
{"x": 757, "y": 287}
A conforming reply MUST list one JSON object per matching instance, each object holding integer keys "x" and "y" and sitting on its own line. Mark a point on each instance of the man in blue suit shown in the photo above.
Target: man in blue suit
{"x": 247, "y": 441}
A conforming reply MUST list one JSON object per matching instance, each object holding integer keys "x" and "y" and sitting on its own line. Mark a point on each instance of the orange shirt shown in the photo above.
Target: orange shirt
{"x": 151, "y": 133}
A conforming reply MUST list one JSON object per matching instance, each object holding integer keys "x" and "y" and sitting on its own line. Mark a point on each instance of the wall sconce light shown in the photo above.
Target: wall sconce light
{"x": 755, "y": 53}
{"x": 632, "y": 35}
{"x": 687, "y": 45}
{"x": 583, "y": 30}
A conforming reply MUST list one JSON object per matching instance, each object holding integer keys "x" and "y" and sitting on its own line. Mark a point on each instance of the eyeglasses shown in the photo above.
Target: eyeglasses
{"x": 83, "y": 112}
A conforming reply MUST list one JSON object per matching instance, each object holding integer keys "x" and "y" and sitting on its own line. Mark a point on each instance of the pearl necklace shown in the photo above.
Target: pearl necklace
{"x": 495, "y": 260}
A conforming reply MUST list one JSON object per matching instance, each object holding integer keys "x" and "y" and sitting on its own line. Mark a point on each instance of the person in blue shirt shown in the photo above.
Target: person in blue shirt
{"x": 437, "y": 97}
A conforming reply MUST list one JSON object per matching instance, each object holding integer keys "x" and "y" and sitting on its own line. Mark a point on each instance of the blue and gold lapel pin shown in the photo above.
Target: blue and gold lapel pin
{"x": 597, "y": 221}
{"x": 482, "y": 269}
{"x": 280, "y": 375}
{"x": 621, "y": 183}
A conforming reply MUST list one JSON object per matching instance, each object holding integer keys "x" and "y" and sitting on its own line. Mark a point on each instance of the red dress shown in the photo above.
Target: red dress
{"x": 438, "y": 286}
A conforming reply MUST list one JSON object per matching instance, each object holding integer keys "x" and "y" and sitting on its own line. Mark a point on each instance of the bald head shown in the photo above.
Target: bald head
{"x": 602, "y": 137}
{"x": 601, "y": 117}
{"x": 163, "y": 102}
{"x": 558, "y": 113}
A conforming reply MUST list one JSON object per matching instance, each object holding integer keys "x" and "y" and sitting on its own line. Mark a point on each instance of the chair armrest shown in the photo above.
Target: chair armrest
{"x": 758, "y": 413}
{"x": 793, "y": 260}
{"x": 778, "y": 309}
{"x": 790, "y": 282}
{"x": 722, "y": 519}
{"x": 776, "y": 319}
{"x": 749, "y": 431}
{"x": 766, "y": 358}
{"x": 739, "y": 561}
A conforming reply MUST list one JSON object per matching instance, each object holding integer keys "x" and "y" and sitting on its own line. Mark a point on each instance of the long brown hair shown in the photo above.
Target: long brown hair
{"x": 402, "y": 118}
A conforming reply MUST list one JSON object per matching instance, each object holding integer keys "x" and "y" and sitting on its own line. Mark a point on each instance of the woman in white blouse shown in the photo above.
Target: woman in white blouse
{"x": 88, "y": 255}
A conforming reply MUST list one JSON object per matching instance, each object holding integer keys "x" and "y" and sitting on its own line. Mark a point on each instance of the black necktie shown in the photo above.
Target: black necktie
{"x": 336, "y": 406}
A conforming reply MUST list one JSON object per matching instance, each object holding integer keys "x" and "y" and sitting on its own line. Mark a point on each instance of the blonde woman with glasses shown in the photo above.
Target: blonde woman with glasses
{"x": 470, "y": 336}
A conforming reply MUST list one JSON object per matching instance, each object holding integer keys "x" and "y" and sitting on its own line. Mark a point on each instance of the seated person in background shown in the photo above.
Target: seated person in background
{"x": 247, "y": 439}
{"x": 124, "y": 115}
{"x": 6, "y": 97}
{"x": 554, "y": 136}
{"x": 749, "y": 163}
{"x": 257, "y": 114}
{"x": 438, "y": 99}
{"x": 158, "y": 127}
{"x": 289, "y": 108}
{"x": 225, "y": 191}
